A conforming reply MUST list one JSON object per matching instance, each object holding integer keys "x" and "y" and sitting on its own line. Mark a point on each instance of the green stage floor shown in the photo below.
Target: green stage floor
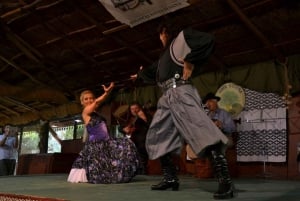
{"x": 191, "y": 189}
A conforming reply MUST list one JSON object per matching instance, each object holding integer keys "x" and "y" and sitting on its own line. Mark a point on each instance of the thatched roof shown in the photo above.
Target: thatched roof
{"x": 52, "y": 50}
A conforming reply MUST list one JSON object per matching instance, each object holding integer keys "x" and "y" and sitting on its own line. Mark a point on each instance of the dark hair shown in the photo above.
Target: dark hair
{"x": 135, "y": 103}
{"x": 129, "y": 111}
{"x": 170, "y": 27}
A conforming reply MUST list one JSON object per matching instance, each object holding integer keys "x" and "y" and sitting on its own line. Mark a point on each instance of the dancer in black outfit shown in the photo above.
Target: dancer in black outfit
{"x": 180, "y": 116}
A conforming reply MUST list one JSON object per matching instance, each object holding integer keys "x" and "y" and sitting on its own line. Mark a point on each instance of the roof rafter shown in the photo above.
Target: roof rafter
{"x": 116, "y": 38}
{"x": 256, "y": 31}
{"x": 9, "y": 109}
{"x": 11, "y": 100}
{"x": 11, "y": 63}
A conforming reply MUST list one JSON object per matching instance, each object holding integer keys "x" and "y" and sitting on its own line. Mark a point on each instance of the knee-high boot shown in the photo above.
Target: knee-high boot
{"x": 226, "y": 188}
{"x": 170, "y": 179}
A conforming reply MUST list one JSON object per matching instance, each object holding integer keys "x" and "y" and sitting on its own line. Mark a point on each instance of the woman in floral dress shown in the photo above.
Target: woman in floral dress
{"x": 103, "y": 159}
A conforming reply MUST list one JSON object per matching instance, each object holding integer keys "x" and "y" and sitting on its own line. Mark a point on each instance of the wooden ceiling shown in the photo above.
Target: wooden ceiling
{"x": 53, "y": 49}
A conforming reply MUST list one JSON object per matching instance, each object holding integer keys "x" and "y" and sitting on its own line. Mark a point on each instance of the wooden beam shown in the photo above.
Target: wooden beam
{"x": 4, "y": 115}
{"x": 49, "y": 5}
{"x": 8, "y": 109}
{"x": 256, "y": 31}
{"x": 276, "y": 45}
{"x": 11, "y": 100}
{"x": 117, "y": 39}
{"x": 30, "y": 51}
{"x": 19, "y": 10}
{"x": 11, "y": 63}
{"x": 108, "y": 52}
{"x": 115, "y": 29}
{"x": 24, "y": 47}
{"x": 69, "y": 41}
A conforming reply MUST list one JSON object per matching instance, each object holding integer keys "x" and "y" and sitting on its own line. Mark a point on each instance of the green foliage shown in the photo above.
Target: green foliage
{"x": 31, "y": 138}
{"x": 30, "y": 141}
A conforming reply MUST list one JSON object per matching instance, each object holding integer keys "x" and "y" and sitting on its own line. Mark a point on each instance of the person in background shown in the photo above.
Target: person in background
{"x": 136, "y": 128}
{"x": 8, "y": 146}
{"x": 220, "y": 117}
{"x": 103, "y": 159}
{"x": 180, "y": 116}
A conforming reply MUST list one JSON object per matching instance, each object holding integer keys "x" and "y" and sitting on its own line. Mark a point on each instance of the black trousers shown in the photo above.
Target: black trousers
{"x": 7, "y": 167}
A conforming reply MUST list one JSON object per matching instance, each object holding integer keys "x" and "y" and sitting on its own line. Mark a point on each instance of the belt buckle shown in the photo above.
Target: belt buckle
{"x": 173, "y": 82}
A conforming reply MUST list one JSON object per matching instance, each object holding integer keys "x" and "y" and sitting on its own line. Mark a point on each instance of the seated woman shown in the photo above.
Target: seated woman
{"x": 103, "y": 159}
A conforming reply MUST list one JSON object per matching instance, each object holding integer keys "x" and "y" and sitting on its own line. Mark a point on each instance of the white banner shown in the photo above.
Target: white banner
{"x": 262, "y": 133}
{"x": 134, "y": 12}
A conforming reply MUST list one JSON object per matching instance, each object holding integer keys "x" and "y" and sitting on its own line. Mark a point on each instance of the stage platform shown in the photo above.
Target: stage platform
{"x": 191, "y": 189}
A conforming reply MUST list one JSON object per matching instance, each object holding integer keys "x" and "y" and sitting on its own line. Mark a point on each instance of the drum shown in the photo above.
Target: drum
{"x": 232, "y": 98}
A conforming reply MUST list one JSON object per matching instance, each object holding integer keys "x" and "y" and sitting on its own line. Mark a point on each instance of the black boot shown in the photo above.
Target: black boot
{"x": 226, "y": 188}
{"x": 170, "y": 179}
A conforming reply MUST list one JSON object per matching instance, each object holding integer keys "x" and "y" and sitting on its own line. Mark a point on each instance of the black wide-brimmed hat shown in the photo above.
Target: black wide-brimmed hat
{"x": 210, "y": 96}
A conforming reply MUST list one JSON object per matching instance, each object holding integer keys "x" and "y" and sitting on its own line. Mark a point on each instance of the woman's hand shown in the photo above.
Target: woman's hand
{"x": 109, "y": 88}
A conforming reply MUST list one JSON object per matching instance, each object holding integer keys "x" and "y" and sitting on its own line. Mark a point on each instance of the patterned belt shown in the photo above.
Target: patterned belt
{"x": 173, "y": 83}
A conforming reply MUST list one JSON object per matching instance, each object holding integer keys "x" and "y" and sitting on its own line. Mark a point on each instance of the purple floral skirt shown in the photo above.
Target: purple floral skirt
{"x": 106, "y": 162}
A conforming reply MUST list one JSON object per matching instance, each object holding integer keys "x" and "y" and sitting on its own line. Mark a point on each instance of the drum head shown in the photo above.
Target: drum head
{"x": 232, "y": 98}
